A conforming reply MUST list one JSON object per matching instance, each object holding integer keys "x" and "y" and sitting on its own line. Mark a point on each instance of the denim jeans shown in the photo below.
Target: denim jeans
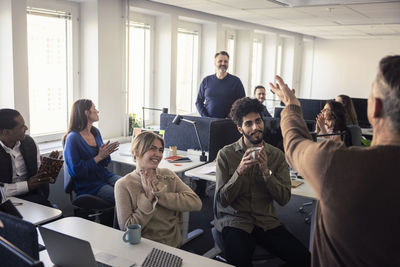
{"x": 106, "y": 192}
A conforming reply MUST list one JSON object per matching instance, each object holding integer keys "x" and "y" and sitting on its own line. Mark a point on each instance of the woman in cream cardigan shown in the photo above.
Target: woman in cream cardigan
{"x": 152, "y": 197}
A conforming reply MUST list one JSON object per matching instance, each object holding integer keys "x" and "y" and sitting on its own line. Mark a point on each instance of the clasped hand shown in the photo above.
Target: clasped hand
{"x": 247, "y": 161}
{"x": 320, "y": 120}
{"x": 147, "y": 178}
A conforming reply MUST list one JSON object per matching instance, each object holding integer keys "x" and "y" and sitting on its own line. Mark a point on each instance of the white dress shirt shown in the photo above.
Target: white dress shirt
{"x": 19, "y": 183}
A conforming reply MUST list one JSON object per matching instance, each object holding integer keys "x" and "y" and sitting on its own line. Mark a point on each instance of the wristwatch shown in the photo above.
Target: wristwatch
{"x": 269, "y": 173}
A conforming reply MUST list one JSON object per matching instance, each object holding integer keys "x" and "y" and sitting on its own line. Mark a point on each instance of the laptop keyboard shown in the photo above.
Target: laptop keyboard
{"x": 100, "y": 264}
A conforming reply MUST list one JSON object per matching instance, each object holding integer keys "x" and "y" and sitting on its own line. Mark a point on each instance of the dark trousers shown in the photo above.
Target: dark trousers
{"x": 240, "y": 245}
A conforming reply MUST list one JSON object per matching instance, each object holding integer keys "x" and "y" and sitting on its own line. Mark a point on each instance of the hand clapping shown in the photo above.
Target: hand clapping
{"x": 107, "y": 149}
{"x": 147, "y": 178}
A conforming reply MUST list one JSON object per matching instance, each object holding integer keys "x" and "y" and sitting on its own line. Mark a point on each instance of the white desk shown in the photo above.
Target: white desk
{"x": 367, "y": 131}
{"x": 35, "y": 213}
{"x": 107, "y": 239}
{"x": 123, "y": 156}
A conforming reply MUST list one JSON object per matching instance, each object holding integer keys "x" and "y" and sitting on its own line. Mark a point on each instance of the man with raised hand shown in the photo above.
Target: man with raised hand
{"x": 356, "y": 218}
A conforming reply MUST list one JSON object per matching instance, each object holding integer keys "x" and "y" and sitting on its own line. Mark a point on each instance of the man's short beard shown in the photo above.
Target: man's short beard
{"x": 256, "y": 141}
{"x": 223, "y": 70}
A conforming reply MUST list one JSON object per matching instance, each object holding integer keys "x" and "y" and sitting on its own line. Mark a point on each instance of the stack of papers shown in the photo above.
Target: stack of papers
{"x": 208, "y": 170}
{"x": 178, "y": 159}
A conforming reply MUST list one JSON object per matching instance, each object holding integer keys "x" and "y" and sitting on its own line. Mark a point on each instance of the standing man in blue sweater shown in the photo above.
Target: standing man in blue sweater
{"x": 218, "y": 91}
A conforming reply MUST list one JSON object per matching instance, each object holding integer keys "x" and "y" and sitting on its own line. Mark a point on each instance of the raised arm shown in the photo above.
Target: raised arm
{"x": 310, "y": 159}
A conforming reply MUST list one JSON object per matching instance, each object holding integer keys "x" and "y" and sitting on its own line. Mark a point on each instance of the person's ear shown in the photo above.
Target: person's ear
{"x": 377, "y": 105}
{"x": 239, "y": 129}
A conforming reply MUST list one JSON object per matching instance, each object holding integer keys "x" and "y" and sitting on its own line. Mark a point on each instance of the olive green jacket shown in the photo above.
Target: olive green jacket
{"x": 247, "y": 200}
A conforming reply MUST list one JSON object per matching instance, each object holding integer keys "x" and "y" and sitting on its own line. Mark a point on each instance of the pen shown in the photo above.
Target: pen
{"x": 17, "y": 203}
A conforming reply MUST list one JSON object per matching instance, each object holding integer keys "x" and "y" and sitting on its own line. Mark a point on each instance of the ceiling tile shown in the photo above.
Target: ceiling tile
{"x": 313, "y": 22}
{"x": 240, "y": 4}
{"x": 374, "y": 29}
{"x": 334, "y": 12}
{"x": 282, "y": 13}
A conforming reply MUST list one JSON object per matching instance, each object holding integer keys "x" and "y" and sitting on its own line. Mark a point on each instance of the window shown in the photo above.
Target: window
{"x": 256, "y": 63}
{"x": 139, "y": 68}
{"x": 306, "y": 69}
{"x": 187, "y": 71}
{"x": 50, "y": 71}
{"x": 287, "y": 59}
{"x": 230, "y": 48}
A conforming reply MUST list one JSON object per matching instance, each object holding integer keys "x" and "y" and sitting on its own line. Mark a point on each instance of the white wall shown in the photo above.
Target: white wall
{"x": 14, "y": 57}
{"x": 348, "y": 66}
{"x": 6, "y": 56}
{"x": 111, "y": 68}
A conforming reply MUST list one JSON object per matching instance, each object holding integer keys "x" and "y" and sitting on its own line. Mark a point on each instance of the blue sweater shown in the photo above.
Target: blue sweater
{"x": 216, "y": 96}
{"x": 88, "y": 176}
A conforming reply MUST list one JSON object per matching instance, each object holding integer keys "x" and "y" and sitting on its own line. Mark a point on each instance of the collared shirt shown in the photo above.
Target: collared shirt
{"x": 246, "y": 201}
{"x": 19, "y": 183}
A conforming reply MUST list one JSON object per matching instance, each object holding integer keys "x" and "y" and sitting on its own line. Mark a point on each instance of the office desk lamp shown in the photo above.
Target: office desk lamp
{"x": 177, "y": 120}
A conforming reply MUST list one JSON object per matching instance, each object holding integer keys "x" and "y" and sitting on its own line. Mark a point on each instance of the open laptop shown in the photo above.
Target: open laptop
{"x": 65, "y": 250}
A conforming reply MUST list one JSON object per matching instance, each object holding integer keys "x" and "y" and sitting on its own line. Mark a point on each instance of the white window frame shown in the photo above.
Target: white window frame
{"x": 231, "y": 34}
{"x": 259, "y": 38}
{"x": 192, "y": 27}
{"x": 73, "y": 9}
{"x": 135, "y": 17}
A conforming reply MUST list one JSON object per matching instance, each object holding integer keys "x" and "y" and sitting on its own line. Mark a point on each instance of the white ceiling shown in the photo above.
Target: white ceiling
{"x": 328, "y": 19}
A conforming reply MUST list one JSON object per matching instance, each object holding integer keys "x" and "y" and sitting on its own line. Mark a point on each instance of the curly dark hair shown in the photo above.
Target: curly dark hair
{"x": 244, "y": 106}
{"x": 339, "y": 115}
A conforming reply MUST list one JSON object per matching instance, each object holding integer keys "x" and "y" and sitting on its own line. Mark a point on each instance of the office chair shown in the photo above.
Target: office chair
{"x": 260, "y": 255}
{"x": 18, "y": 242}
{"x": 352, "y": 136}
{"x": 89, "y": 206}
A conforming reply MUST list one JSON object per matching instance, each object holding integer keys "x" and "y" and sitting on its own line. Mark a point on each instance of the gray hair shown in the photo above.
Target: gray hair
{"x": 388, "y": 87}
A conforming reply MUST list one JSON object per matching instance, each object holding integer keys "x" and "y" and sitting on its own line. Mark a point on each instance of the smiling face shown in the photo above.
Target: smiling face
{"x": 18, "y": 132}
{"x": 252, "y": 129}
{"x": 152, "y": 157}
{"x": 221, "y": 63}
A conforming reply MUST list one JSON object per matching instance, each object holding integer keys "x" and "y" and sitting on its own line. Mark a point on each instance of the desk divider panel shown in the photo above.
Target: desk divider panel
{"x": 183, "y": 136}
{"x": 222, "y": 132}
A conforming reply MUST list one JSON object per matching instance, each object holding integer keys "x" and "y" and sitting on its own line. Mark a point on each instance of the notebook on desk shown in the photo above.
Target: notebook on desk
{"x": 65, "y": 250}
